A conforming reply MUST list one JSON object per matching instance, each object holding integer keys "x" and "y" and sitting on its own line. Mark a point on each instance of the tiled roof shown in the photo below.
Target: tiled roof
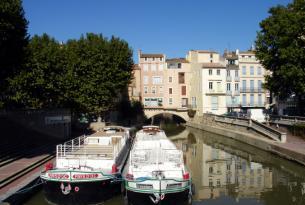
{"x": 156, "y": 55}
{"x": 212, "y": 65}
{"x": 177, "y": 60}
{"x": 205, "y": 51}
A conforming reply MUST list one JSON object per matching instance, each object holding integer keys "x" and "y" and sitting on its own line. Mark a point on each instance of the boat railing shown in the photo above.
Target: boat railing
{"x": 152, "y": 156}
{"x": 78, "y": 148}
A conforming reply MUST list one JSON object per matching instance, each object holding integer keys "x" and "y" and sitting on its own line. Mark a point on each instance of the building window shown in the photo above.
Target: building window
{"x": 259, "y": 85}
{"x": 161, "y": 89}
{"x": 244, "y": 85}
{"x": 211, "y": 55}
{"x": 244, "y": 100}
{"x": 170, "y": 101}
{"x": 210, "y": 85}
{"x": 157, "y": 80}
{"x": 214, "y": 102}
{"x": 218, "y": 182}
{"x": 251, "y": 85}
{"x": 236, "y": 86}
{"x": 218, "y": 86}
{"x": 259, "y": 70}
{"x": 160, "y": 67}
{"x": 183, "y": 90}
{"x": 210, "y": 183}
{"x": 170, "y": 79}
{"x": 153, "y": 90}
{"x": 260, "y": 102}
{"x": 228, "y": 86}
{"x": 228, "y": 73}
{"x": 244, "y": 70}
{"x": 218, "y": 72}
{"x": 252, "y": 99}
{"x": 145, "y": 67}
{"x": 145, "y": 89}
{"x": 181, "y": 78}
{"x": 194, "y": 103}
{"x": 170, "y": 90}
{"x": 210, "y": 72}
{"x": 145, "y": 59}
{"x": 211, "y": 170}
{"x": 236, "y": 73}
{"x": 161, "y": 59}
{"x": 145, "y": 79}
{"x": 153, "y": 59}
{"x": 153, "y": 67}
{"x": 251, "y": 70}
{"x": 184, "y": 102}
{"x": 179, "y": 65}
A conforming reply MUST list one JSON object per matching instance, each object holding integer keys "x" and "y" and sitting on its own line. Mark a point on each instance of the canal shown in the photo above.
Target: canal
{"x": 229, "y": 172}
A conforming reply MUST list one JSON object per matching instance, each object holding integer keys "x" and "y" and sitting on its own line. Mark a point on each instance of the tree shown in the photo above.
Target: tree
{"x": 86, "y": 75}
{"x": 98, "y": 70}
{"x": 39, "y": 84}
{"x": 13, "y": 40}
{"x": 280, "y": 47}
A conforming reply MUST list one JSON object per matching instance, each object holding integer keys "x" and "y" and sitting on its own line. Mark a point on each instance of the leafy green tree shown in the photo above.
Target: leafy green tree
{"x": 39, "y": 84}
{"x": 280, "y": 46}
{"x": 98, "y": 70}
{"x": 13, "y": 40}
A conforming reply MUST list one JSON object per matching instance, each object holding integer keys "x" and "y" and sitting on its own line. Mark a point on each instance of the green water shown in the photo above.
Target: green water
{"x": 229, "y": 172}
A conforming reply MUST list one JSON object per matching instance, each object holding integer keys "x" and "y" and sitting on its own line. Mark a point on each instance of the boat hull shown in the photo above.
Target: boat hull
{"x": 175, "y": 198}
{"x": 91, "y": 192}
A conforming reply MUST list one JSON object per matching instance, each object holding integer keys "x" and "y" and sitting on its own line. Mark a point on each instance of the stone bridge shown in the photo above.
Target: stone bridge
{"x": 150, "y": 112}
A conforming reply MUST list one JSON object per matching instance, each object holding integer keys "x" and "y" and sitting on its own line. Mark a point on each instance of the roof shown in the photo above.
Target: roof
{"x": 205, "y": 51}
{"x": 231, "y": 56}
{"x": 212, "y": 65}
{"x": 247, "y": 52}
{"x": 155, "y": 55}
{"x": 177, "y": 60}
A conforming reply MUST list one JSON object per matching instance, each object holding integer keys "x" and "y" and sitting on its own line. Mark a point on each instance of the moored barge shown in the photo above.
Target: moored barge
{"x": 88, "y": 168}
{"x": 155, "y": 172}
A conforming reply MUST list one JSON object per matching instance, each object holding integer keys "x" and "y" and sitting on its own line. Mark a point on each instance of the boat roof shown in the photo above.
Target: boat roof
{"x": 109, "y": 131}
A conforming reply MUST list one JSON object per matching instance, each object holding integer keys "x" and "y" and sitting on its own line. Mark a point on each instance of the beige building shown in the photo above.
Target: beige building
{"x": 252, "y": 93}
{"x": 165, "y": 83}
{"x": 232, "y": 81}
{"x": 177, "y": 83}
{"x": 209, "y": 77}
{"x": 152, "y": 79}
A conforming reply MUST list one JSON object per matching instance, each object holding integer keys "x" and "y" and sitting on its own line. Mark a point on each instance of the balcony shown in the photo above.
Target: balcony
{"x": 229, "y": 92}
{"x": 216, "y": 92}
{"x": 236, "y": 78}
{"x": 252, "y": 90}
{"x": 233, "y": 105}
{"x": 229, "y": 78}
{"x": 236, "y": 93}
{"x": 253, "y": 104}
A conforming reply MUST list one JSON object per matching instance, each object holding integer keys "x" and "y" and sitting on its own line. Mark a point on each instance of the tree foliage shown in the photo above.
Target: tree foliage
{"x": 280, "y": 46}
{"x": 13, "y": 40}
{"x": 86, "y": 75}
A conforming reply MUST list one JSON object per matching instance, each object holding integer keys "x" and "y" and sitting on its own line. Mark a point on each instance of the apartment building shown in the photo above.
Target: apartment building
{"x": 232, "y": 81}
{"x": 252, "y": 94}
{"x": 208, "y": 83}
{"x": 152, "y": 79}
{"x": 177, "y": 83}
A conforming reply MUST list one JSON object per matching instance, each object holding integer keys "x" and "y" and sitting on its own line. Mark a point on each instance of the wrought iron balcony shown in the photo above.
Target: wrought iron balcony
{"x": 252, "y": 90}
{"x": 229, "y": 78}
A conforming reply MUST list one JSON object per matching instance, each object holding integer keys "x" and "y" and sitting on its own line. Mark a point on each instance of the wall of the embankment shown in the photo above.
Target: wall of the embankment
{"x": 248, "y": 137}
{"x": 55, "y": 123}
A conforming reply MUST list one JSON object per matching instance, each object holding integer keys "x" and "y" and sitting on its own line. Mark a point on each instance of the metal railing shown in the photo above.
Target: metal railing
{"x": 258, "y": 127}
{"x": 79, "y": 148}
{"x": 252, "y": 90}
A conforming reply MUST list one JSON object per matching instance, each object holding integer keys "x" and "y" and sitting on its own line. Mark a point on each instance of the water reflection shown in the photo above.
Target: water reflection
{"x": 229, "y": 172}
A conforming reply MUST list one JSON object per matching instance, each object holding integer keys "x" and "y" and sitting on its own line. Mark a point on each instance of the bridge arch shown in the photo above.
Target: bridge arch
{"x": 150, "y": 112}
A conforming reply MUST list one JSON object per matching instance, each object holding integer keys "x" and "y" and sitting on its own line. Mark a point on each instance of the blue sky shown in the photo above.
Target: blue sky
{"x": 155, "y": 26}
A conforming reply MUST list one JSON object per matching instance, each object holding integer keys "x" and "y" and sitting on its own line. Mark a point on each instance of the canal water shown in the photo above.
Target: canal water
{"x": 228, "y": 172}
